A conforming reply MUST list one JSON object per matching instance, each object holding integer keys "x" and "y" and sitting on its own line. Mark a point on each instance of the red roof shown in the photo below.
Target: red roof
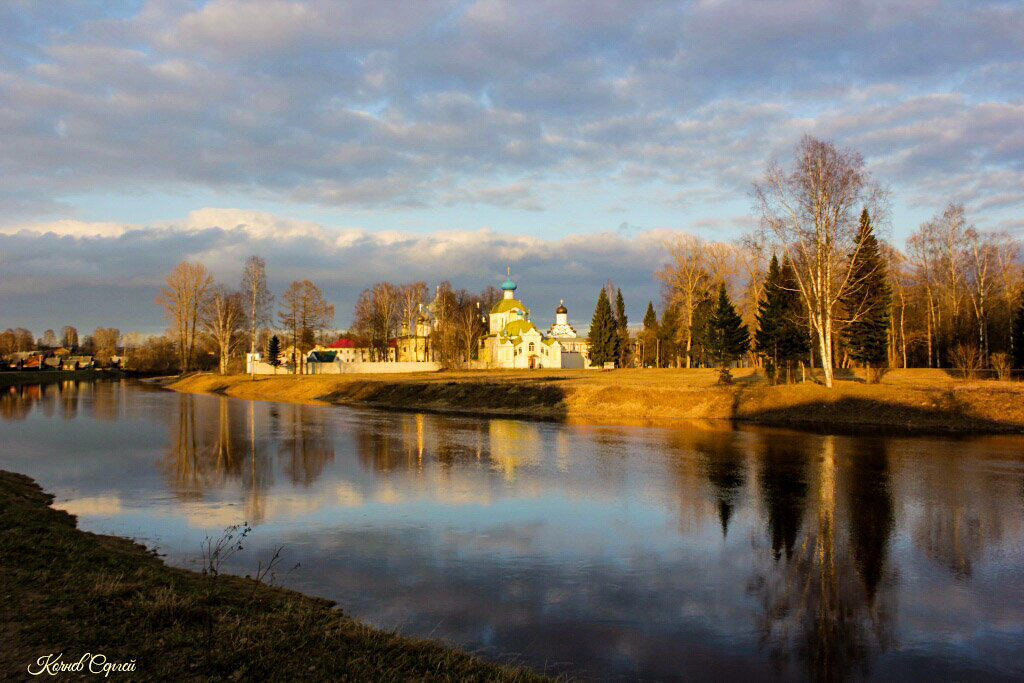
{"x": 342, "y": 344}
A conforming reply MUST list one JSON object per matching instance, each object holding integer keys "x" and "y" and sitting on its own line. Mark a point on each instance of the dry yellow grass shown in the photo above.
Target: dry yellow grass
{"x": 923, "y": 399}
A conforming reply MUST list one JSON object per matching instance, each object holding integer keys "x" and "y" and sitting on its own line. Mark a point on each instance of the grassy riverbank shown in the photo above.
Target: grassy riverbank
{"x": 905, "y": 399}
{"x": 68, "y": 592}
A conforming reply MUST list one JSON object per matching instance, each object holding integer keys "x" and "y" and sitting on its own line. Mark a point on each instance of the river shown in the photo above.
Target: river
{"x": 690, "y": 550}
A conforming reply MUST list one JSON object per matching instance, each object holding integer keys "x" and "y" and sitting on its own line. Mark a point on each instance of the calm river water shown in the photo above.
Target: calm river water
{"x": 696, "y": 550}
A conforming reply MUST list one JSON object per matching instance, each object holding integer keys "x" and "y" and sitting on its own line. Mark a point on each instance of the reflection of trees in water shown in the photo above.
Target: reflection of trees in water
{"x": 101, "y": 400}
{"x": 306, "y": 442}
{"x": 783, "y": 483}
{"x": 209, "y": 446}
{"x": 954, "y": 528}
{"x": 820, "y": 602}
{"x": 723, "y": 463}
{"x": 69, "y": 400}
{"x": 871, "y": 511}
{"x": 382, "y": 447}
{"x": 407, "y": 440}
{"x": 14, "y": 404}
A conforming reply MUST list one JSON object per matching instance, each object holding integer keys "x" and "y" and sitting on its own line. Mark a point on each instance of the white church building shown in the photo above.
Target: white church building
{"x": 513, "y": 341}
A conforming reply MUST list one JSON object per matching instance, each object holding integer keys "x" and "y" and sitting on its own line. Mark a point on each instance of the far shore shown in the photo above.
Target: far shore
{"x": 17, "y": 378}
{"x": 915, "y": 399}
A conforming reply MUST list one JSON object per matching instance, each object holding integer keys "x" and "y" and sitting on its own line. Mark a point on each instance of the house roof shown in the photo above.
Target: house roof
{"x": 342, "y": 344}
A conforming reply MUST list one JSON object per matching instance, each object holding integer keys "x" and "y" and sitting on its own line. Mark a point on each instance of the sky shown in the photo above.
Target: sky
{"x": 353, "y": 142}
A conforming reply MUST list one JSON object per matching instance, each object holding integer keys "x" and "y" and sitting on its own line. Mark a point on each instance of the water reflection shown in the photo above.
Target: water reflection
{"x": 723, "y": 463}
{"x": 783, "y": 481}
{"x": 821, "y": 603}
{"x": 600, "y": 551}
{"x": 213, "y": 442}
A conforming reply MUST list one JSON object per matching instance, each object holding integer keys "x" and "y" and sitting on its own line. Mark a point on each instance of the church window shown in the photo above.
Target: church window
{"x": 531, "y": 346}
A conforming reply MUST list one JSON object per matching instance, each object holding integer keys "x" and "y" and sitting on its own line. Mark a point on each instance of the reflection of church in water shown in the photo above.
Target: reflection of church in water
{"x": 513, "y": 341}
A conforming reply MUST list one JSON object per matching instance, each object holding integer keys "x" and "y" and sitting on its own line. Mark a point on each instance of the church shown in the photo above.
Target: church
{"x": 513, "y": 341}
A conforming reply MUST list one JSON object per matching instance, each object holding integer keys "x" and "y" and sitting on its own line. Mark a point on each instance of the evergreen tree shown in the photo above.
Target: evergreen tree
{"x": 780, "y": 338}
{"x": 868, "y": 303}
{"x": 1017, "y": 338}
{"x": 603, "y": 333}
{"x": 726, "y": 337}
{"x": 622, "y": 340}
{"x": 667, "y": 331}
{"x": 274, "y": 352}
{"x": 650, "y": 336}
{"x": 650, "y": 318}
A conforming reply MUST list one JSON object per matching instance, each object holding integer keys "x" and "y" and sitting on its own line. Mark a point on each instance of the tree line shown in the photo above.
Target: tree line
{"x": 206, "y": 315}
{"x": 102, "y": 344}
{"x": 446, "y": 329}
{"x": 820, "y": 289}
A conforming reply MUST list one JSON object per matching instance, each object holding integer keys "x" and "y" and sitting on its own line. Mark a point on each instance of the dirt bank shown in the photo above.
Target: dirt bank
{"x": 907, "y": 399}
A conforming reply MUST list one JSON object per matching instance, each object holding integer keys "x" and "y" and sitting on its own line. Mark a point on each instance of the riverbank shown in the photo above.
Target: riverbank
{"x": 23, "y": 377}
{"x": 919, "y": 399}
{"x": 99, "y": 600}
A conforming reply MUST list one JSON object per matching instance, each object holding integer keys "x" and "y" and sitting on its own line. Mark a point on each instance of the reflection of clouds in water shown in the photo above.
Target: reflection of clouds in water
{"x": 93, "y": 506}
{"x": 574, "y": 543}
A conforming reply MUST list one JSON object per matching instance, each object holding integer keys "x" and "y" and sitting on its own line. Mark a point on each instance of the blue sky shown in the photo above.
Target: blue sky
{"x": 356, "y": 142}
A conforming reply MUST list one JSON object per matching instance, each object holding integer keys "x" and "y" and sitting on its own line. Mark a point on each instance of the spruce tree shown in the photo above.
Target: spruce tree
{"x": 1017, "y": 338}
{"x": 622, "y": 329}
{"x": 769, "y": 320}
{"x": 603, "y": 332}
{"x": 274, "y": 352}
{"x": 726, "y": 338}
{"x": 793, "y": 341}
{"x": 868, "y": 303}
{"x": 780, "y": 338}
{"x": 667, "y": 333}
{"x": 650, "y": 335}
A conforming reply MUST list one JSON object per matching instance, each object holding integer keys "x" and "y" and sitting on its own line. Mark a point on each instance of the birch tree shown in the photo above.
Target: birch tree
{"x": 183, "y": 298}
{"x": 686, "y": 282}
{"x": 812, "y": 212}
{"x": 223, "y": 319}
{"x": 303, "y": 312}
{"x": 258, "y": 301}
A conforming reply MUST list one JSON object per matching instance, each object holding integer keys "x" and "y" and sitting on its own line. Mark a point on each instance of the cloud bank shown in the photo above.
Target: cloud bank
{"x": 109, "y": 275}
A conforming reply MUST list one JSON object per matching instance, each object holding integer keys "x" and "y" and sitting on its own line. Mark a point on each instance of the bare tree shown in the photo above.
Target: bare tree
{"x": 411, "y": 299}
{"x": 468, "y": 320}
{"x": 105, "y": 341}
{"x": 444, "y": 338}
{"x": 813, "y": 214}
{"x": 184, "y": 297}
{"x": 686, "y": 281}
{"x": 48, "y": 340}
{"x": 304, "y": 311}
{"x": 223, "y": 319}
{"x": 378, "y": 315}
{"x": 258, "y": 301}
{"x": 8, "y": 342}
{"x": 981, "y": 281}
{"x": 69, "y": 337}
{"x": 23, "y": 339}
